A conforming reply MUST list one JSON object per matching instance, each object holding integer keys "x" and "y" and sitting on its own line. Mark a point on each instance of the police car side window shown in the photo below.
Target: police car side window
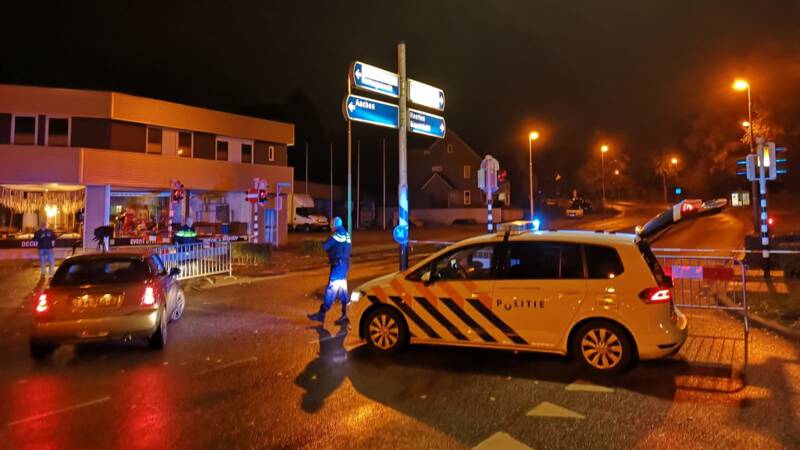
{"x": 602, "y": 262}
{"x": 471, "y": 263}
{"x": 543, "y": 261}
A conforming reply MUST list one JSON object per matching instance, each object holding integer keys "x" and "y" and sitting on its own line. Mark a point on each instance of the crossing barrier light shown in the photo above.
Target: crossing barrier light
{"x": 262, "y": 196}
{"x": 770, "y": 221}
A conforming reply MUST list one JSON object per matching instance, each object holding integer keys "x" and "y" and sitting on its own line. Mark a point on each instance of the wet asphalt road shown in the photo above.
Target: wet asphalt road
{"x": 244, "y": 369}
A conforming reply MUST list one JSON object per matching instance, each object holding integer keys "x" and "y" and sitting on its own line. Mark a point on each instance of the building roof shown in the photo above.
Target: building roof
{"x": 130, "y": 108}
{"x": 434, "y": 176}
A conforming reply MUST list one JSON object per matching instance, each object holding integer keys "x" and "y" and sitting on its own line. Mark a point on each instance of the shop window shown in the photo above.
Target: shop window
{"x": 154, "y": 139}
{"x": 247, "y": 153}
{"x": 24, "y": 130}
{"x": 222, "y": 150}
{"x": 271, "y": 153}
{"x": 467, "y": 171}
{"x": 58, "y": 131}
{"x": 467, "y": 197}
{"x": 185, "y": 144}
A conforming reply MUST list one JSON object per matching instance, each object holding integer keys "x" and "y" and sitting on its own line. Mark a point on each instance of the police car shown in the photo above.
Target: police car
{"x": 597, "y": 295}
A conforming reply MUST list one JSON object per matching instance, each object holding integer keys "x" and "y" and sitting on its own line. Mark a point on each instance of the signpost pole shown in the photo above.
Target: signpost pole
{"x": 331, "y": 197}
{"x": 384, "y": 182}
{"x": 349, "y": 171}
{"x": 358, "y": 184}
{"x": 762, "y": 184}
{"x": 402, "y": 191}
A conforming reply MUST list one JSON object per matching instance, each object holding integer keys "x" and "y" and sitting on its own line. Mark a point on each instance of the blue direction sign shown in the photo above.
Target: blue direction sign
{"x": 362, "y": 109}
{"x": 426, "y": 123}
{"x": 374, "y": 79}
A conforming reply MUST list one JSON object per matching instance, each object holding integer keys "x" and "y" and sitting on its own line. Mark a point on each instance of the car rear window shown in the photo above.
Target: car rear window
{"x": 652, "y": 262}
{"x": 100, "y": 271}
{"x": 602, "y": 262}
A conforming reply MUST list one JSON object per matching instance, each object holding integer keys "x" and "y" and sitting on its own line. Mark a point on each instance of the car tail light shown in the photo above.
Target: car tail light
{"x": 42, "y": 306}
{"x": 656, "y": 295}
{"x": 149, "y": 297}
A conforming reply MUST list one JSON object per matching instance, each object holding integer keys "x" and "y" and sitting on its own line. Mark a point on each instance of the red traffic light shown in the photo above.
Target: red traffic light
{"x": 770, "y": 221}
{"x": 262, "y": 196}
{"x": 501, "y": 175}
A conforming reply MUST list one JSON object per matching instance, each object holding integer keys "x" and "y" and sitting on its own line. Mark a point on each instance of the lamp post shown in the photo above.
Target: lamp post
{"x": 674, "y": 162}
{"x": 603, "y": 151}
{"x": 534, "y": 135}
{"x": 743, "y": 85}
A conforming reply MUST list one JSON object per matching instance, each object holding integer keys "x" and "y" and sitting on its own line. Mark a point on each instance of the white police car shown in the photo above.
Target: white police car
{"x": 600, "y": 296}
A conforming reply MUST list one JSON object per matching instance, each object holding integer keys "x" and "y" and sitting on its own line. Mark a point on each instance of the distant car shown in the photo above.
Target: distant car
{"x": 575, "y": 209}
{"x": 106, "y": 296}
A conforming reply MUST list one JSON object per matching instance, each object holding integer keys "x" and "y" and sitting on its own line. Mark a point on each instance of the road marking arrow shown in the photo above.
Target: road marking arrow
{"x": 547, "y": 409}
{"x": 501, "y": 441}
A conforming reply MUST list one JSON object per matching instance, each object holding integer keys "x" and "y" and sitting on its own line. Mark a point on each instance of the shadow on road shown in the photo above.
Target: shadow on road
{"x": 324, "y": 374}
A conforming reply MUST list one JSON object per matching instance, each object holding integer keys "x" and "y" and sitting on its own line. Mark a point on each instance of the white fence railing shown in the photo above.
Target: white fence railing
{"x": 201, "y": 259}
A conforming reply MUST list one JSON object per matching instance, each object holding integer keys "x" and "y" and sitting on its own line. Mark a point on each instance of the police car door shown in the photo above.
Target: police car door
{"x": 452, "y": 299}
{"x": 540, "y": 286}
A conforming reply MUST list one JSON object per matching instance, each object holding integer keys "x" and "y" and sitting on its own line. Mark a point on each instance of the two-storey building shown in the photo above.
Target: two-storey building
{"x": 81, "y": 159}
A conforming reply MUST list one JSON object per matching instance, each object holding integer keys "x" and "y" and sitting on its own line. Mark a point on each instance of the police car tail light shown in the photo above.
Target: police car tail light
{"x": 42, "y": 306}
{"x": 656, "y": 295}
{"x": 149, "y": 297}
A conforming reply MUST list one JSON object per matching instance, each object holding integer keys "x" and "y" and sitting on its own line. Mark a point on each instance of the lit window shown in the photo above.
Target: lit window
{"x": 222, "y": 150}
{"x": 154, "y": 141}
{"x": 449, "y": 148}
{"x": 24, "y": 130}
{"x": 247, "y": 153}
{"x": 185, "y": 144}
{"x": 467, "y": 171}
{"x": 467, "y": 197}
{"x": 271, "y": 153}
{"x": 58, "y": 131}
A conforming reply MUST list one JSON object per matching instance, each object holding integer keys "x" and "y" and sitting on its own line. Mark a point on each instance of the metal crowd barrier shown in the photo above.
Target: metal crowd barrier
{"x": 708, "y": 283}
{"x": 197, "y": 260}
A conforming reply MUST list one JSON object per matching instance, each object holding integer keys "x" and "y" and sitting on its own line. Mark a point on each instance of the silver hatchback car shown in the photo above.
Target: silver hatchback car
{"x": 106, "y": 296}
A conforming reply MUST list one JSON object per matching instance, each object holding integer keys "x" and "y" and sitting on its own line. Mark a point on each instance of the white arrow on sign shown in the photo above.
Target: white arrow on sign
{"x": 351, "y": 106}
{"x": 358, "y": 74}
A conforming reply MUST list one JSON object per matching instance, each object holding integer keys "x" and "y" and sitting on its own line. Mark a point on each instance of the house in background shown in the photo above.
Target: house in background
{"x": 443, "y": 184}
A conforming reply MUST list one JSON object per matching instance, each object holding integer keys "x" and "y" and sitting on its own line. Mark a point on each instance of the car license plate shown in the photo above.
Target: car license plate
{"x": 96, "y": 301}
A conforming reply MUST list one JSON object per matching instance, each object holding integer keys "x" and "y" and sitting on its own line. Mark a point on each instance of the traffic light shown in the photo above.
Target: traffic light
{"x": 177, "y": 193}
{"x": 262, "y": 196}
{"x": 502, "y": 175}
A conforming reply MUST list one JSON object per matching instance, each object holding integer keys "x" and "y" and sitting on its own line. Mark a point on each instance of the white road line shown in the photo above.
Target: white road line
{"x": 501, "y": 441}
{"x": 225, "y": 366}
{"x": 58, "y": 411}
{"x": 547, "y": 409}
{"x": 585, "y": 386}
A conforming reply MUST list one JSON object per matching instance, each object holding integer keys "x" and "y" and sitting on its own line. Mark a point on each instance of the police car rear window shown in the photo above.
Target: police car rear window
{"x": 602, "y": 262}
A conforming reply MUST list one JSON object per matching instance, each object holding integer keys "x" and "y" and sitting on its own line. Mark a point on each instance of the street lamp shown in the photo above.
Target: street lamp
{"x": 741, "y": 85}
{"x": 534, "y": 135}
{"x": 603, "y": 151}
{"x": 745, "y": 124}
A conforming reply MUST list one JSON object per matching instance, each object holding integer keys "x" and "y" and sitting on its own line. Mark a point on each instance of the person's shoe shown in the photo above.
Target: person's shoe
{"x": 317, "y": 317}
{"x": 341, "y": 320}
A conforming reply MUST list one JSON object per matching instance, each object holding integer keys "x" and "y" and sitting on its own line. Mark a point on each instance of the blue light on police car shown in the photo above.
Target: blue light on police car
{"x": 536, "y": 224}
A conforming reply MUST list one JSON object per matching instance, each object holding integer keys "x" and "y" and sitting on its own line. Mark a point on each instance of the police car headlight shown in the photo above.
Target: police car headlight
{"x": 356, "y": 296}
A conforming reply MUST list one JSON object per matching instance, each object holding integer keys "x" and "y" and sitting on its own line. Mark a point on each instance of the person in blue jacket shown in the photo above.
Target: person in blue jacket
{"x": 338, "y": 249}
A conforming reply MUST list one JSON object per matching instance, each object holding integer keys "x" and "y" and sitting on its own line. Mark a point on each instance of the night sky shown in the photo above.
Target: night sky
{"x": 635, "y": 74}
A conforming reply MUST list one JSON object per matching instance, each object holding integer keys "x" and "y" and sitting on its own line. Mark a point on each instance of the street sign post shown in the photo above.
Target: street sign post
{"x": 374, "y": 112}
{"x": 425, "y": 95}
{"x": 487, "y": 182}
{"x": 425, "y": 123}
{"x": 374, "y": 79}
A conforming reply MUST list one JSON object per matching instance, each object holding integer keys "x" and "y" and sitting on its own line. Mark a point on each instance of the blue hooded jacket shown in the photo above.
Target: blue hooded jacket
{"x": 338, "y": 249}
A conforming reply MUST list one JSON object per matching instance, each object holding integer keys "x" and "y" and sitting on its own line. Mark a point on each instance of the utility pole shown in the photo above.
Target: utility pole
{"x": 349, "y": 171}
{"x": 331, "y": 208}
{"x": 762, "y": 184}
{"x": 384, "y": 183}
{"x": 402, "y": 188}
{"x": 306, "y": 167}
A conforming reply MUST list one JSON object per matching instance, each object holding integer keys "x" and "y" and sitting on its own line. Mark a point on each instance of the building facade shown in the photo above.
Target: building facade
{"x": 82, "y": 159}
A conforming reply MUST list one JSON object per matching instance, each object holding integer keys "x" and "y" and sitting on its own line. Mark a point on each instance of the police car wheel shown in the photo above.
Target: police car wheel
{"x": 603, "y": 347}
{"x": 386, "y": 330}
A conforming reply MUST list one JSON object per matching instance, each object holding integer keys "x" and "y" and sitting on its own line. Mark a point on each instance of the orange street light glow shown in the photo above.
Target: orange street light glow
{"x": 604, "y": 148}
{"x": 746, "y": 124}
{"x": 674, "y": 161}
{"x": 616, "y": 172}
{"x": 534, "y": 135}
{"x": 740, "y": 84}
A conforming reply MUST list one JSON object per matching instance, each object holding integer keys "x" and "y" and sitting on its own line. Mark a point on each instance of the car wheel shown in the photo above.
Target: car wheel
{"x": 180, "y": 304}
{"x": 386, "y": 330}
{"x": 603, "y": 347}
{"x": 41, "y": 351}
{"x": 159, "y": 339}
